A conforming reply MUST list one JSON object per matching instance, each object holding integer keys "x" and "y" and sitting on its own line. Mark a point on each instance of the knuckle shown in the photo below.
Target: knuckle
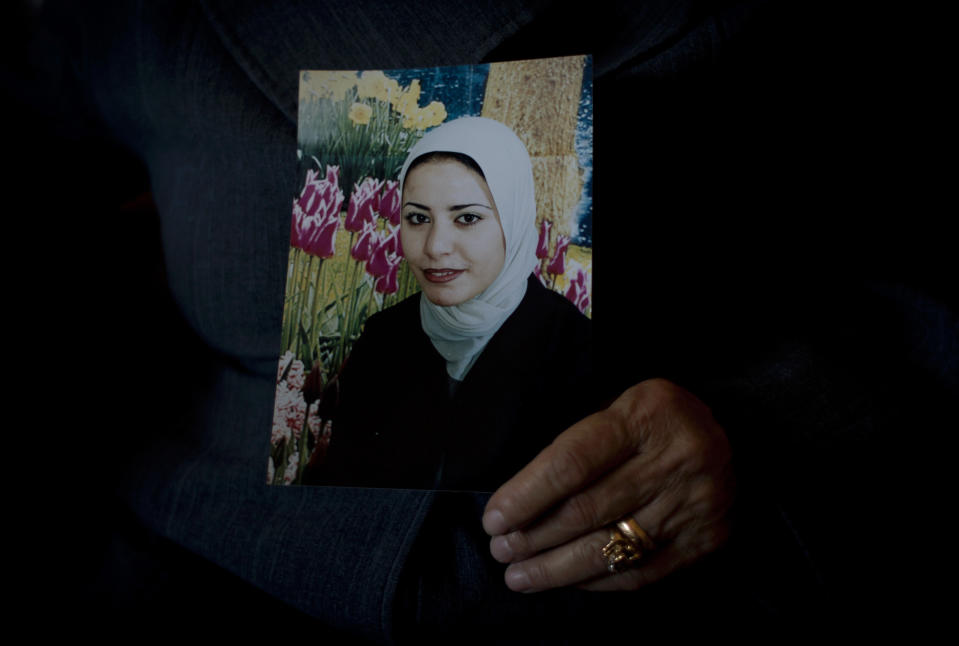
{"x": 691, "y": 450}
{"x": 580, "y": 512}
{"x": 703, "y": 496}
{"x": 519, "y": 543}
{"x": 567, "y": 466}
{"x": 662, "y": 392}
{"x": 698, "y": 456}
{"x": 540, "y": 575}
{"x": 587, "y": 552}
{"x": 711, "y": 496}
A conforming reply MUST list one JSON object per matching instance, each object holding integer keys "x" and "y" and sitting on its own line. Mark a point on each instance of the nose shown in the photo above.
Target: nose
{"x": 439, "y": 240}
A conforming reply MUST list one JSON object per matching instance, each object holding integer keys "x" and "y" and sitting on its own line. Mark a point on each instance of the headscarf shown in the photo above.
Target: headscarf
{"x": 460, "y": 332}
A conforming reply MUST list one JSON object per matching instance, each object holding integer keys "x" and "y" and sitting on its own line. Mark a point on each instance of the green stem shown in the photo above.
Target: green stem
{"x": 318, "y": 300}
{"x": 351, "y": 299}
{"x": 297, "y": 300}
{"x": 305, "y": 302}
{"x": 292, "y": 302}
{"x": 369, "y": 306}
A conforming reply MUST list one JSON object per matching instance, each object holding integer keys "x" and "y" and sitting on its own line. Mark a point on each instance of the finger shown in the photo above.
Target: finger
{"x": 634, "y": 485}
{"x": 681, "y": 553}
{"x": 663, "y": 477}
{"x": 681, "y": 531}
{"x": 576, "y": 457}
{"x": 581, "y": 562}
{"x": 576, "y": 562}
{"x": 582, "y": 559}
{"x": 651, "y": 568}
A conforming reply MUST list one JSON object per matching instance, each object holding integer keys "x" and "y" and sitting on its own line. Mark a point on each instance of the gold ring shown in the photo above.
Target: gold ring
{"x": 631, "y": 529}
{"x": 621, "y": 552}
{"x": 627, "y": 544}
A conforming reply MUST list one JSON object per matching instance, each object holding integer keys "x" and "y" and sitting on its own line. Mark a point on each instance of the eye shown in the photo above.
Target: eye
{"x": 468, "y": 219}
{"x": 415, "y": 217}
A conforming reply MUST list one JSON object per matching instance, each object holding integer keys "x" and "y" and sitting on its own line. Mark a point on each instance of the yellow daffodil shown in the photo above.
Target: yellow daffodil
{"x": 408, "y": 101}
{"x": 376, "y": 85}
{"x": 434, "y": 114}
{"x": 414, "y": 121}
{"x": 360, "y": 113}
{"x": 422, "y": 118}
{"x": 392, "y": 90}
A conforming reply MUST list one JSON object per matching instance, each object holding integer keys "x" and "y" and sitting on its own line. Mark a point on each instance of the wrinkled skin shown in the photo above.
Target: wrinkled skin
{"x": 655, "y": 453}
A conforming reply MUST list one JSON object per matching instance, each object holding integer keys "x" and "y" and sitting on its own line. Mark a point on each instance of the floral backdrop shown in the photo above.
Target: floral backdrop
{"x": 346, "y": 260}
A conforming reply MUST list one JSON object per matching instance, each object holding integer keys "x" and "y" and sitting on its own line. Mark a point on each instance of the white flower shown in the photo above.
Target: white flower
{"x": 289, "y": 412}
{"x": 296, "y": 377}
{"x": 280, "y": 433}
{"x": 313, "y": 419}
{"x": 291, "y": 466}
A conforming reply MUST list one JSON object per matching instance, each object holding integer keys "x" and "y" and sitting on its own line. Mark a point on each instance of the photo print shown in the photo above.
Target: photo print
{"x": 436, "y": 325}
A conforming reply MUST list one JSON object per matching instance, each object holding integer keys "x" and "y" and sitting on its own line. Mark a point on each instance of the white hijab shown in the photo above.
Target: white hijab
{"x": 460, "y": 332}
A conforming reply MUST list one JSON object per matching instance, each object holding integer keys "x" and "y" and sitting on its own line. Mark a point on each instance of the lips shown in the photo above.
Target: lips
{"x": 441, "y": 275}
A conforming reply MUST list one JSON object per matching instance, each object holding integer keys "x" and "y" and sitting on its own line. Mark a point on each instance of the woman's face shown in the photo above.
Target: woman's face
{"x": 451, "y": 233}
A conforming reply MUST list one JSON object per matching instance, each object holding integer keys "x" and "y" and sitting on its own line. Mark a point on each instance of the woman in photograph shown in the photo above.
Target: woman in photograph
{"x": 460, "y": 385}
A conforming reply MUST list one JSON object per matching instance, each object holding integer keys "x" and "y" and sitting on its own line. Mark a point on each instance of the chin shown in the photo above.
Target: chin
{"x": 445, "y": 297}
{"x": 444, "y": 300}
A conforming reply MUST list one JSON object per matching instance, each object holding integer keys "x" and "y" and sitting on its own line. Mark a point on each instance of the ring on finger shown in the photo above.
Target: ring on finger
{"x": 620, "y": 552}
{"x": 627, "y": 543}
{"x": 631, "y": 529}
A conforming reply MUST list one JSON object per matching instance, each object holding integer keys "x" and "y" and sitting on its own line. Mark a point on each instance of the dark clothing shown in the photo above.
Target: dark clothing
{"x": 397, "y": 425}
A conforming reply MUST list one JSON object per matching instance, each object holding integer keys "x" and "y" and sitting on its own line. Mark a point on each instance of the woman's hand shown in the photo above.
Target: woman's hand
{"x": 657, "y": 454}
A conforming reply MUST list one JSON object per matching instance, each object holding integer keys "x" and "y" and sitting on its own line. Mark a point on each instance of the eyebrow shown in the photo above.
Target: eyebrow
{"x": 455, "y": 207}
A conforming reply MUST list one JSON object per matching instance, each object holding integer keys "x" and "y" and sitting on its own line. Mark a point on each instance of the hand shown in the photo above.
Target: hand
{"x": 656, "y": 453}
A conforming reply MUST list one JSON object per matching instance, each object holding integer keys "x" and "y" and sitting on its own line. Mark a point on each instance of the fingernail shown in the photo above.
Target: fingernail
{"x": 500, "y": 549}
{"x": 494, "y": 523}
{"x": 517, "y": 579}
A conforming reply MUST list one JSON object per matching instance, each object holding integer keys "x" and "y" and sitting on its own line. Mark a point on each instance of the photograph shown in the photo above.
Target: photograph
{"x": 437, "y": 317}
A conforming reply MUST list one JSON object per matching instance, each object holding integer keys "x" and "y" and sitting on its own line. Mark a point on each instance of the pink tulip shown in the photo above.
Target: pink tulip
{"x": 583, "y": 302}
{"x": 392, "y": 240}
{"x": 316, "y": 214}
{"x": 326, "y": 238}
{"x": 399, "y": 242}
{"x": 557, "y": 265}
{"x": 361, "y": 250}
{"x": 333, "y": 175}
{"x": 316, "y": 234}
{"x": 542, "y": 246}
{"x": 364, "y": 202}
{"x": 578, "y": 292}
{"x": 317, "y": 190}
{"x": 390, "y": 203}
{"x": 385, "y": 252}
{"x": 307, "y": 195}
{"x": 388, "y": 284}
{"x": 379, "y": 263}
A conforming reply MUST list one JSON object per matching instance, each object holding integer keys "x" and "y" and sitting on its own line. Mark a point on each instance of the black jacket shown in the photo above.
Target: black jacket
{"x": 398, "y": 425}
